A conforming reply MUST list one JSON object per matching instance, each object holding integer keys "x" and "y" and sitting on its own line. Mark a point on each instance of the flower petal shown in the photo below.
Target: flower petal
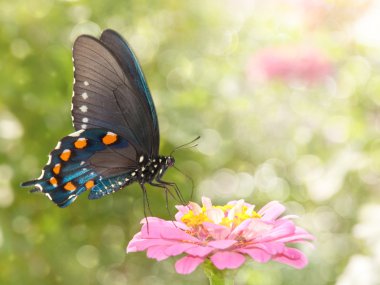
{"x": 292, "y": 257}
{"x": 236, "y": 209}
{"x": 165, "y": 231}
{"x": 271, "y": 211}
{"x": 195, "y": 208}
{"x": 200, "y": 251}
{"x": 206, "y": 202}
{"x": 222, "y": 244}
{"x": 216, "y": 231}
{"x": 142, "y": 244}
{"x": 178, "y": 248}
{"x": 187, "y": 264}
{"x": 157, "y": 252}
{"x": 227, "y": 259}
{"x": 215, "y": 215}
{"x": 256, "y": 254}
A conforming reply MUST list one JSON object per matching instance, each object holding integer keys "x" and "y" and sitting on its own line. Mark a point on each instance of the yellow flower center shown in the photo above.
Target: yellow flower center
{"x": 192, "y": 220}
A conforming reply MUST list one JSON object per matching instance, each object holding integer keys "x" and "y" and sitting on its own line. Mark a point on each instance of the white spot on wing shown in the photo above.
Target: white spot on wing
{"x": 83, "y": 108}
{"x": 84, "y": 95}
{"x": 72, "y": 96}
{"x": 38, "y": 186}
{"x": 141, "y": 158}
{"x": 86, "y": 83}
{"x": 120, "y": 183}
{"x": 49, "y": 159}
{"x": 48, "y": 195}
{"x": 133, "y": 174}
{"x": 76, "y": 134}
{"x": 58, "y": 145}
{"x": 83, "y": 126}
{"x": 73, "y": 196}
{"x": 83, "y": 162}
{"x": 72, "y": 106}
{"x": 42, "y": 175}
{"x": 85, "y": 120}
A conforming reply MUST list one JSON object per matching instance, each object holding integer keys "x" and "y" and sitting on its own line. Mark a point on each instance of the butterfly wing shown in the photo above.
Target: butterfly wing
{"x": 132, "y": 69}
{"x": 110, "y": 92}
{"x": 96, "y": 159}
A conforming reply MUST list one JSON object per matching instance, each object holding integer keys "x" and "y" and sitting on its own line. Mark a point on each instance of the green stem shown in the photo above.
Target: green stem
{"x": 216, "y": 276}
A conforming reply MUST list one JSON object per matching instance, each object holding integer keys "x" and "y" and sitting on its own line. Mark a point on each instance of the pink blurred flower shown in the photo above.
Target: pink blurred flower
{"x": 225, "y": 235}
{"x": 289, "y": 63}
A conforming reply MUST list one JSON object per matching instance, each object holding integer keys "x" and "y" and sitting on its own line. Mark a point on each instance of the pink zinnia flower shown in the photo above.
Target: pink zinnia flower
{"x": 225, "y": 235}
{"x": 289, "y": 63}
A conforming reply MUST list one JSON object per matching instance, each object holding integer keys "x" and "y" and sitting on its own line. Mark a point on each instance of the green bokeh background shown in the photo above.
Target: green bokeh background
{"x": 313, "y": 146}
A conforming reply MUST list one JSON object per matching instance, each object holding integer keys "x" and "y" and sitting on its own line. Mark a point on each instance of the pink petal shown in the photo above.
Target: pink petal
{"x": 279, "y": 230}
{"x": 271, "y": 211}
{"x": 292, "y": 257}
{"x": 239, "y": 229}
{"x": 217, "y": 231}
{"x": 236, "y": 209}
{"x": 195, "y": 208}
{"x": 206, "y": 202}
{"x": 157, "y": 252}
{"x": 272, "y": 248}
{"x": 215, "y": 215}
{"x": 187, "y": 264}
{"x": 200, "y": 251}
{"x": 165, "y": 231}
{"x": 182, "y": 210}
{"x": 143, "y": 244}
{"x": 257, "y": 229}
{"x": 222, "y": 244}
{"x": 227, "y": 259}
{"x": 178, "y": 248}
{"x": 256, "y": 254}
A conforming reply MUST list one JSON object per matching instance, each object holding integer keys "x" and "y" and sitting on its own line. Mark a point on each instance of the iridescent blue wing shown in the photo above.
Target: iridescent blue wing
{"x": 96, "y": 159}
{"x": 110, "y": 92}
{"x": 132, "y": 69}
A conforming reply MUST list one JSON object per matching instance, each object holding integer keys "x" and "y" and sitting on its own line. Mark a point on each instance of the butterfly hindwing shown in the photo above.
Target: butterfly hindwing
{"x": 72, "y": 166}
{"x": 107, "y": 94}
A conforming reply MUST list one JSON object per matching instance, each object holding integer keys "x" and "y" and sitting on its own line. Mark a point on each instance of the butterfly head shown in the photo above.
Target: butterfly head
{"x": 170, "y": 161}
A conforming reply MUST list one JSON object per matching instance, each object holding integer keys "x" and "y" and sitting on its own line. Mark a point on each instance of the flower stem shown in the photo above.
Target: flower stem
{"x": 216, "y": 276}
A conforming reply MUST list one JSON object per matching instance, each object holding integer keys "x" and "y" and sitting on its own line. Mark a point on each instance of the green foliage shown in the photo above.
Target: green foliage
{"x": 312, "y": 145}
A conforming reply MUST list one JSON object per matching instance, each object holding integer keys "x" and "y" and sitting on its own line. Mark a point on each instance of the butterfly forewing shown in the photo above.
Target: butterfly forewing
{"x": 131, "y": 67}
{"x": 105, "y": 97}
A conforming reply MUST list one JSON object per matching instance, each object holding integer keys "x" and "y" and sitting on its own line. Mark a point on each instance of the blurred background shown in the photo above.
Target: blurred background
{"x": 285, "y": 95}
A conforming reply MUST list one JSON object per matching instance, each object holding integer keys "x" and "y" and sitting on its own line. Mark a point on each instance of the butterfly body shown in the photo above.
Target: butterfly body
{"x": 117, "y": 137}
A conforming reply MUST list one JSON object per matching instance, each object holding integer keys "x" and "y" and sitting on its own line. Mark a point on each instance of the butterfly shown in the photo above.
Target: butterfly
{"x": 116, "y": 142}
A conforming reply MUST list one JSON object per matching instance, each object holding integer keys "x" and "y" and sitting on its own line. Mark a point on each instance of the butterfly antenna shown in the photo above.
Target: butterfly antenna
{"x": 186, "y": 145}
{"x": 188, "y": 177}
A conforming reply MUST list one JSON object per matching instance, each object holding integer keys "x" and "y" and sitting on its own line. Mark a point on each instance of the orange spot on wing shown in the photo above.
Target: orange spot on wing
{"x": 57, "y": 168}
{"x": 65, "y": 155}
{"x": 53, "y": 181}
{"x": 109, "y": 138}
{"x": 69, "y": 186}
{"x": 81, "y": 143}
{"x": 89, "y": 184}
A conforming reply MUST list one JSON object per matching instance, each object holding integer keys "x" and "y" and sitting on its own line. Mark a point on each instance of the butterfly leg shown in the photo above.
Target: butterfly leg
{"x": 175, "y": 187}
{"x": 145, "y": 200}
{"x": 167, "y": 191}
